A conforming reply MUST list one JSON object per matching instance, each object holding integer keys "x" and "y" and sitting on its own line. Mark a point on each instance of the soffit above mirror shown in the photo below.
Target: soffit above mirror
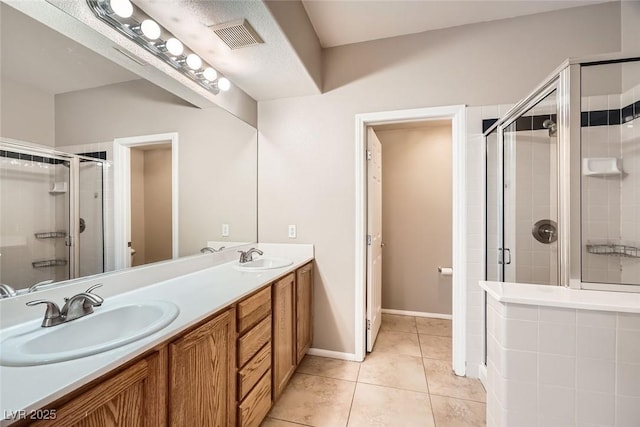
{"x": 34, "y": 50}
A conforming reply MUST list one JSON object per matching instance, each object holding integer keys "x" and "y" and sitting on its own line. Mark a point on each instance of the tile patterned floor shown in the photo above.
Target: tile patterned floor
{"x": 406, "y": 381}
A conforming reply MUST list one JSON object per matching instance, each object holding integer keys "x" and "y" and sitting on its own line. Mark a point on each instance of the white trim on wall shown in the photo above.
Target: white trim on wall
{"x": 122, "y": 188}
{"x": 457, "y": 114}
{"x": 417, "y": 314}
{"x": 332, "y": 354}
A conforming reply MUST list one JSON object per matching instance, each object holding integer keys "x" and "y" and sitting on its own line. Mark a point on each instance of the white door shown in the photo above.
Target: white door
{"x": 374, "y": 237}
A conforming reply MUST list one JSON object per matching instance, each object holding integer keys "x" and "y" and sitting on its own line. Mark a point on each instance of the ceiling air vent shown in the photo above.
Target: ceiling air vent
{"x": 237, "y": 34}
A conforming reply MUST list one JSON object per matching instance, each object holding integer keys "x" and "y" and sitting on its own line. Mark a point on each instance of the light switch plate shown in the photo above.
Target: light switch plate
{"x": 293, "y": 233}
{"x": 225, "y": 230}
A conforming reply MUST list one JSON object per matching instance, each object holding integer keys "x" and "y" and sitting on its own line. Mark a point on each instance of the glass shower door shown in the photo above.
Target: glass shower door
{"x": 34, "y": 220}
{"x": 530, "y": 195}
{"x": 91, "y": 217}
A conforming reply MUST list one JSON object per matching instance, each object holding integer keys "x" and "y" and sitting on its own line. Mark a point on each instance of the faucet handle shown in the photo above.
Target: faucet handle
{"x": 98, "y": 299}
{"x": 96, "y": 286}
{"x": 52, "y": 311}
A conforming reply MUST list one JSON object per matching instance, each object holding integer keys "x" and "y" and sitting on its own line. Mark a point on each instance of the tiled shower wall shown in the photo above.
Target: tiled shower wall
{"x": 535, "y": 199}
{"x": 611, "y": 204}
{"x": 630, "y": 185}
{"x": 31, "y": 208}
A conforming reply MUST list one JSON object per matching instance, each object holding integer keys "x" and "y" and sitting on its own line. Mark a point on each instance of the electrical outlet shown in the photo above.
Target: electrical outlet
{"x": 293, "y": 233}
{"x": 225, "y": 230}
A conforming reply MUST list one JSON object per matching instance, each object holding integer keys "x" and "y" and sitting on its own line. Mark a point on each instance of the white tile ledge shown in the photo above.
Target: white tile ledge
{"x": 559, "y": 296}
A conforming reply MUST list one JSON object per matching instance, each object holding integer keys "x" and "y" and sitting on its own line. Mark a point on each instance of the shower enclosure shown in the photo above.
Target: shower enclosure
{"x": 563, "y": 181}
{"x": 51, "y": 215}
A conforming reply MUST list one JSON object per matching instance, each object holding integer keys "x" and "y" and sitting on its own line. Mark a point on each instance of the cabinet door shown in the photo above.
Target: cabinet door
{"x": 202, "y": 373}
{"x": 304, "y": 310}
{"x": 284, "y": 354}
{"x": 133, "y": 398}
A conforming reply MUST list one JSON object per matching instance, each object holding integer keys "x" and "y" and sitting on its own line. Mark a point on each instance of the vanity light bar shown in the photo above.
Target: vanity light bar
{"x": 131, "y": 21}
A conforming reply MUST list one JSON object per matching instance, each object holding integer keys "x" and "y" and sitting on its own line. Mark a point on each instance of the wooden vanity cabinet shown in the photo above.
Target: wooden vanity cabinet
{"x": 254, "y": 358}
{"x": 226, "y": 372}
{"x": 292, "y": 324}
{"x": 202, "y": 374}
{"x": 135, "y": 397}
{"x": 304, "y": 310}
{"x": 284, "y": 330}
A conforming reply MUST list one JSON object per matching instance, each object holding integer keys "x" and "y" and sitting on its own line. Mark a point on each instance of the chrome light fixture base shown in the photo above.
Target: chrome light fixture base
{"x": 131, "y": 28}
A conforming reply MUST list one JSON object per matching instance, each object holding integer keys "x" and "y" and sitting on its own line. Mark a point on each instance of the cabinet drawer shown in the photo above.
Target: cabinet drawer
{"x": 254, "y": 370}
{"x": 254, "y": 340}
{"x": 253, "y": 309}
{"x": 255, "y": 407}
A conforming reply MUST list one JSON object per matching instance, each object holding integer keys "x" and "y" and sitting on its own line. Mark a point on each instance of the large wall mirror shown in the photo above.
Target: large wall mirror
{"x": 93, "y": 157}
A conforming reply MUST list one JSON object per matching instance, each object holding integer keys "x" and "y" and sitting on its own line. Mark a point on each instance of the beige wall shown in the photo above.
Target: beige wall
{"x": 217, "y": 153}
{"x": 151, "y": 204}
{"x": 416, "y": 218}
{"x": 26, "y": 113}
{"x": 308, "y": 142}
{"x": 138, "y": 217}
{"x": 630, "y": 12}
{"x": 157, "y": 204}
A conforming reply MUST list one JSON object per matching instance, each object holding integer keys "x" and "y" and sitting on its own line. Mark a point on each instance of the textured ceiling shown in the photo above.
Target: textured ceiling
{"x": 266, "y": 71}
{"x": 36, "y": 55}
{"x": 343, "y": 22}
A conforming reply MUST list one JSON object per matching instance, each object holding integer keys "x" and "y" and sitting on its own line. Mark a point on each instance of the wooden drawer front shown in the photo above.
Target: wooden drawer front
{"x": 253, "y": 309}
{"x": 255, "y": 407}
{"x": 253, "y": 371}
{"x": 254, "y": 340}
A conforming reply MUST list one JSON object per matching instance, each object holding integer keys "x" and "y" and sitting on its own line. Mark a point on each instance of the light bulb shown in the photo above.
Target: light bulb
{"x": 210, "y": 74}
{"x": 122, "y": 8}
{"x": 224, "y": 84}
{"x": 193, "y": 61}
{"x": 150, "y": 29}
{"x": 174, "y": 46}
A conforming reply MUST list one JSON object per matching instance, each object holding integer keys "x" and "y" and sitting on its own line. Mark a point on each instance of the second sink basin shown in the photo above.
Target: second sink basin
{"x": 265, "y": 263}
{"x": 95, "y": 333}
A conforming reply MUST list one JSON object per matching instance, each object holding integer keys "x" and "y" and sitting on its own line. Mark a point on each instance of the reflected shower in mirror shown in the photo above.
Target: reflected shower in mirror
{"x": 198, "y": 166}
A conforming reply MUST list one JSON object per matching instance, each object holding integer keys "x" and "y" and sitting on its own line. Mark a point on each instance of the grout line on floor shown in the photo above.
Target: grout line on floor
{"x": 353, "y": 397}
{"x": 287, "y": 421}
{"x": 396, "y": 388}
{"x": 458, "y": 398}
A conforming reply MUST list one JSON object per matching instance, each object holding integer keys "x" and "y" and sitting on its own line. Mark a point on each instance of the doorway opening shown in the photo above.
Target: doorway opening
{"x": 146, "y": 178}
{"x": 369, "y": 240}
{"x": 150, "y": 203}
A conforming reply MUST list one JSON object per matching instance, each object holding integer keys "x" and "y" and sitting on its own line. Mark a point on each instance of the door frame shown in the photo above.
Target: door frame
{"x": 457, "y": 115}
{"x": 122, "y": 192}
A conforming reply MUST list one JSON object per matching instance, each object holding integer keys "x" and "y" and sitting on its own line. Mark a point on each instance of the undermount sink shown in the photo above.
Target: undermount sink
{"x": 95, "y": 333}
{"x": 264, "y": 263}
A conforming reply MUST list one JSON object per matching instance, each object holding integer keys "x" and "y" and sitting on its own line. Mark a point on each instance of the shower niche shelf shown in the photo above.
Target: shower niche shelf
{"x": 601, "y": 166}
{"x": 49, "y": 263}
{"x": 614, "y": 250}
{"x": 51, "y": 234}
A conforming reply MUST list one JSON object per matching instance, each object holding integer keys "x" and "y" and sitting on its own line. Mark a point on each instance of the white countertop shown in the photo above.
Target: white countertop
{"x": 559, "y": 296}
{"x": 198, "y": 295}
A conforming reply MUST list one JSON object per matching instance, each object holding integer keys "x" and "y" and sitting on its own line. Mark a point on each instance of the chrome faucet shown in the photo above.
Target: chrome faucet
{"x": 210, "y": 250}
{"x": 75, "y": 307}
{"x": 6, "y": 291}
{"x": 248, "y": 255}
{"x": 39, "y": 285}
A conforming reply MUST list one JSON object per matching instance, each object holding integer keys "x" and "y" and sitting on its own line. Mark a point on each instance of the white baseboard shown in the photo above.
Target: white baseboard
{"x": 482, "y": 375}
{"x": 333, "y": 354}
{"x": 417, "y": 314}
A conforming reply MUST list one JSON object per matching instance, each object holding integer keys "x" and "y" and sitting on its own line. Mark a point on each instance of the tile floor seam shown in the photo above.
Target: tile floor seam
{"x": 395, "y": 388}
{"x": 351, "y": 405}
{"x": 458, "y": 398}
{"x": 322, "y": 376}
{"x": 291, "y": 422}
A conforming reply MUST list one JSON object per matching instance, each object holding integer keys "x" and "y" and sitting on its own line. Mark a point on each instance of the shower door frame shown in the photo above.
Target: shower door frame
{"x": 558, "y": 81}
